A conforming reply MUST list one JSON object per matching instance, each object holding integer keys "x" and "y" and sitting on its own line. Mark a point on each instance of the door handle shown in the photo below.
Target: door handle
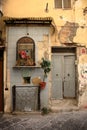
{"x": 56, "y": 74}
{"x": 68, "y": 74}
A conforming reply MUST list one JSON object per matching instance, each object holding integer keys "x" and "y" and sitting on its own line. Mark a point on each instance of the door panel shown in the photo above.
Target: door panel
{"x": 63, "y": 76}
{"x": 57, "y": 77}
{"x": 69, "y": 76}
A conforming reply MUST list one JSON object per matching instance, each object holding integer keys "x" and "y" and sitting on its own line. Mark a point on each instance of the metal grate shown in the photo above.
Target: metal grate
{"x": 25, "y": 98}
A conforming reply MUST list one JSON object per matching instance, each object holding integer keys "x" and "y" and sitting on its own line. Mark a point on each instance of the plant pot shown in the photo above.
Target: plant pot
{"x": 42, "y": 85}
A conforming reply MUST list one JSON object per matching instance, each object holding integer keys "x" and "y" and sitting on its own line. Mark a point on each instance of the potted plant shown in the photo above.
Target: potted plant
{"x": 45, "y": 65}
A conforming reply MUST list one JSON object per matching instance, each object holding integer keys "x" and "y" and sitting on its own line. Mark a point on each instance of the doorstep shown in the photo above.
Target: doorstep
{"x": 64, "y": 109}
{"x": 25, "y": 113}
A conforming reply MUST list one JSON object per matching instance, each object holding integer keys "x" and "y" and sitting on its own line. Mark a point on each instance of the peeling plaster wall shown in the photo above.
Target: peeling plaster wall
{"x": 68, "y": 26}
{"x": 74, "y": 17}
{"x": 68, "y": 32}
{"x": 82, "y": 69}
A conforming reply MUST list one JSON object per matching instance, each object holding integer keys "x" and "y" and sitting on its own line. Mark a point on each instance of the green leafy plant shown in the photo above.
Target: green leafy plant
{"x": 45, "y": 110}
{"x": 46, "y": 66}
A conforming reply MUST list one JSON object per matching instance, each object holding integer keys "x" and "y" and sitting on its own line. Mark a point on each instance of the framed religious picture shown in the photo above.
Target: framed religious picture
{"x": 25, "y": 52}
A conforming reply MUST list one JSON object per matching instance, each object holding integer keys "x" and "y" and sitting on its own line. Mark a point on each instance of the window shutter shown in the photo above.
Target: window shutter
{"x": 58, "y": 3}
{"x": 67, "y": 3}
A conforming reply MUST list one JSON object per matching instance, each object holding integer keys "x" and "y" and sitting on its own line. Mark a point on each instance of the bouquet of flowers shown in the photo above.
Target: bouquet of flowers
{"x": 23, "y": 54}
{"x": 24, "y": 58}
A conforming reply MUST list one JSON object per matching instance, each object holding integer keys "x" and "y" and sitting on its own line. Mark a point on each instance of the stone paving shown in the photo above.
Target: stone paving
{"x": 75, "y": 120}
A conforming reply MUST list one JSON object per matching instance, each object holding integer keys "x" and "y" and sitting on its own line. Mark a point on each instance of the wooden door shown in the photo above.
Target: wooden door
{"x": 57, "y": 72}
{"x": 63, "y": 76}
{"x": 69, "y": 76}
{"x": 1, "y": 81}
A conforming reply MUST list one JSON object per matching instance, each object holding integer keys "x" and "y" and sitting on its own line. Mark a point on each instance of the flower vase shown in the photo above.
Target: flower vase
{"x": 42, "y": 85}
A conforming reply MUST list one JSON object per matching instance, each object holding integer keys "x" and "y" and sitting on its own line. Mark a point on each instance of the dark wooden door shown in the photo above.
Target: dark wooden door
{"x": 1, "y": 81}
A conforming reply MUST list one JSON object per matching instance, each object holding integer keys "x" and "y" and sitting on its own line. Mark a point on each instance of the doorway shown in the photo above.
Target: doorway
{"x": 63, "y": 73}
{"x": 1, "y": 80}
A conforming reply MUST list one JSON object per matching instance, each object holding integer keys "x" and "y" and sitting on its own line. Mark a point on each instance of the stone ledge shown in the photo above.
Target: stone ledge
{"x": 26, "y": 113}
{"x": 64, "y": 109}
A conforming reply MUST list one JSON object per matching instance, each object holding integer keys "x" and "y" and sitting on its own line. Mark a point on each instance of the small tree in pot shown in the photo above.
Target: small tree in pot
{"x": 46, "y": 66}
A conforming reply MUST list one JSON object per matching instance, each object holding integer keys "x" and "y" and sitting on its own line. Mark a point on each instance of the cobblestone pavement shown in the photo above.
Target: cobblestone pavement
{"x": 54, "y": 121}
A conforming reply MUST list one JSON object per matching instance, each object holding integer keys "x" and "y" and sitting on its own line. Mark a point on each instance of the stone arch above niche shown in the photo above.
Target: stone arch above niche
{"x": 25, "y": 52}
{"x": 25, "y": 40}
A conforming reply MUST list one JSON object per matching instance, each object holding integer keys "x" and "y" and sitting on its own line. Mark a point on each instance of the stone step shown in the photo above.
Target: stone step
{"x": 64, "y": 109}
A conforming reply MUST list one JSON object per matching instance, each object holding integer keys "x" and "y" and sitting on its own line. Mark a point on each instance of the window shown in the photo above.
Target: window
{"x": 25, "y": 52}
{"x": 63, "y": 4}
{"x": 27, "y": 80}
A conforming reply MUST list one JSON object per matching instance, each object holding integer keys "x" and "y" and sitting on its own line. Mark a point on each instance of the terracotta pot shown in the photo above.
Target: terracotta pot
{"x": 42, "y": 85}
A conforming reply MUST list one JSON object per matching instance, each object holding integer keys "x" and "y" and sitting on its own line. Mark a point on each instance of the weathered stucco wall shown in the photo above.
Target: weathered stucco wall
{"x": 82, "y": 69}
{"x": 69, "y": 26}
{"x": 15, "y": 75}
{"x": 74, "y": 16}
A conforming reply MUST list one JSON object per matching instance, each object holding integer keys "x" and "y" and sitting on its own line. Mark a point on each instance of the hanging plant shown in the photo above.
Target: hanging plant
{"x": 46, "y": 66}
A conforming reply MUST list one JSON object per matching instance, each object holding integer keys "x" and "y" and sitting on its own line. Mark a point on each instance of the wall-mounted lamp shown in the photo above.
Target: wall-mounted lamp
{"x": 46, "y": 9}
